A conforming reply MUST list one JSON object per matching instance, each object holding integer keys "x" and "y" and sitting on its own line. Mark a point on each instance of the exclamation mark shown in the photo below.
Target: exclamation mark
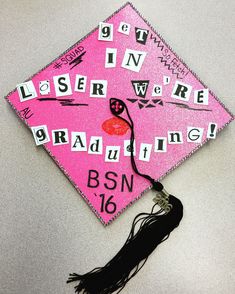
{"x": 211, "y": 132}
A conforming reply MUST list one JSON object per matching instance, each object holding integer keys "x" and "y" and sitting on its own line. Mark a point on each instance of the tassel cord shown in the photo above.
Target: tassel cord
{"x": 132, "y": 138}
{"x": 148, "y": 230}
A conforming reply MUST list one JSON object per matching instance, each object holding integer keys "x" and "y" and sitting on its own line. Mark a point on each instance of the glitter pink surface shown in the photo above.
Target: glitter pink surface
{"x": 149, "y": 122}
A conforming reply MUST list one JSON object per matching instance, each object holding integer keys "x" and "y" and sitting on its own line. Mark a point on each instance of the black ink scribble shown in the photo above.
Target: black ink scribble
{"x": 168, "y": 65}
{"x": 163, "y": 60}
{"x": 182, "y": 105}
{"x": 158, "y": 42}
{"x": 63, "y": 102}
{"x": 51, "y": 99}
{"x": 146, "y": 103}
{"x": 77, "y": 60}
{"x": 73, "y": 104}
{"x": 57, "y": 65}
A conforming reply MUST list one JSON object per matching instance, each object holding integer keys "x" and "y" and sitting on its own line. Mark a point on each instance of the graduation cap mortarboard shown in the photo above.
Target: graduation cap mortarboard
{"x": 117, "y": 112}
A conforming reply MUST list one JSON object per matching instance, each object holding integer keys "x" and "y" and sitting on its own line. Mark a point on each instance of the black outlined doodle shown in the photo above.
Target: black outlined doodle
{"x": 146, "y": 103}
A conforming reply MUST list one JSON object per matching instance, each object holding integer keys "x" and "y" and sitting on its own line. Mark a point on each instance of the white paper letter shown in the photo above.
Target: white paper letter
{"x": 181, "y": 91}
{"x": 44, "y": 87}
{"x": 96, "y": 145}
{"x": 145, "y": 151}
{"x": 133, "y": 60}
{"x": 157, "y": 90}
{"x": 62, "y": 85}
{"x": 110, "y": 57}
{"x": 26, "y": 91}
{"x": 160, "y": 144}
{"x": 60, "y": 137}
{"x": 98, "y": 88}
{"x": 127, "y": 148}
{"x": 124, "y": 28}
{"x": 105, "y": 31}
{"x": 40, "y": 134}
{"x": 175, "y": 137}
{"x": 194, "y": 134}
{"x": 78, "y": 142}
{"x": 201, "y": 96}
{"x": 112, "y": 153}
{"x": 80, "y": 83}
{"x": 211, "y": 132}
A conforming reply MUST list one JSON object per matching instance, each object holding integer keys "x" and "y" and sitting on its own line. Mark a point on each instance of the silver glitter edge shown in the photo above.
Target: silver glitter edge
{"x": 167, "y": 172}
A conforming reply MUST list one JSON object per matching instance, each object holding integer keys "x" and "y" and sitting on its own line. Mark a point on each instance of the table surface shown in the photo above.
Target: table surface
{"x": 47, "y": 230}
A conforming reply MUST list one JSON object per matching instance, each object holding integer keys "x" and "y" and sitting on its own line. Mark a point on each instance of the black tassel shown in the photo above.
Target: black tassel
{"x": 154, "y": 228}
{"x": 147, "y": 232}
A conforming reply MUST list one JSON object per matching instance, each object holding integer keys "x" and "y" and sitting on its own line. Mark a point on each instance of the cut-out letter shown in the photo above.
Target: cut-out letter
{"x": 166, "y": 80}
{"x": 201, "y": 96}
{"x": 105, "y": 31}
{"x": 98, "y": 88}
{"x": 26, "y": 91}
{"x": 140, "y": 88}
{"x": 175, "y": 137}
{"x": 40, "y": 134}
{"x": 181, "y": 91}
{"x": 124, "y": 28}
{"x": 194, "y": 134}
{"x": 44, "y": 87}
{"x": 112, "y": 153}
{"x": 127, "y": 148}
{"x": 141, "y": 35}
{"x": 62, "y": 85}
{"x": 96, "y": 145}
{"x": 78, "y": 141}
{"x": 60, "y": 137}
{"x": 133, "y": 60}
{"x": 80, "y": 83}
{"x": 160, "y": 144}
{"x": 211, "y": 132}
{"x": 157, "y": 90}
{"x": 110, "y": 57}
{"x": 145, "y": 151}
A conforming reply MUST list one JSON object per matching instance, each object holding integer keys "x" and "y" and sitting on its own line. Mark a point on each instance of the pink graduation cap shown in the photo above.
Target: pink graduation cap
{"x": 115, "y": 109}
{"x": 66, "y": 104}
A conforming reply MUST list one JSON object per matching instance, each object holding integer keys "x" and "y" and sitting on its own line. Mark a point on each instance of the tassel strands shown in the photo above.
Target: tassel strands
{"x": 154, "y": 228}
